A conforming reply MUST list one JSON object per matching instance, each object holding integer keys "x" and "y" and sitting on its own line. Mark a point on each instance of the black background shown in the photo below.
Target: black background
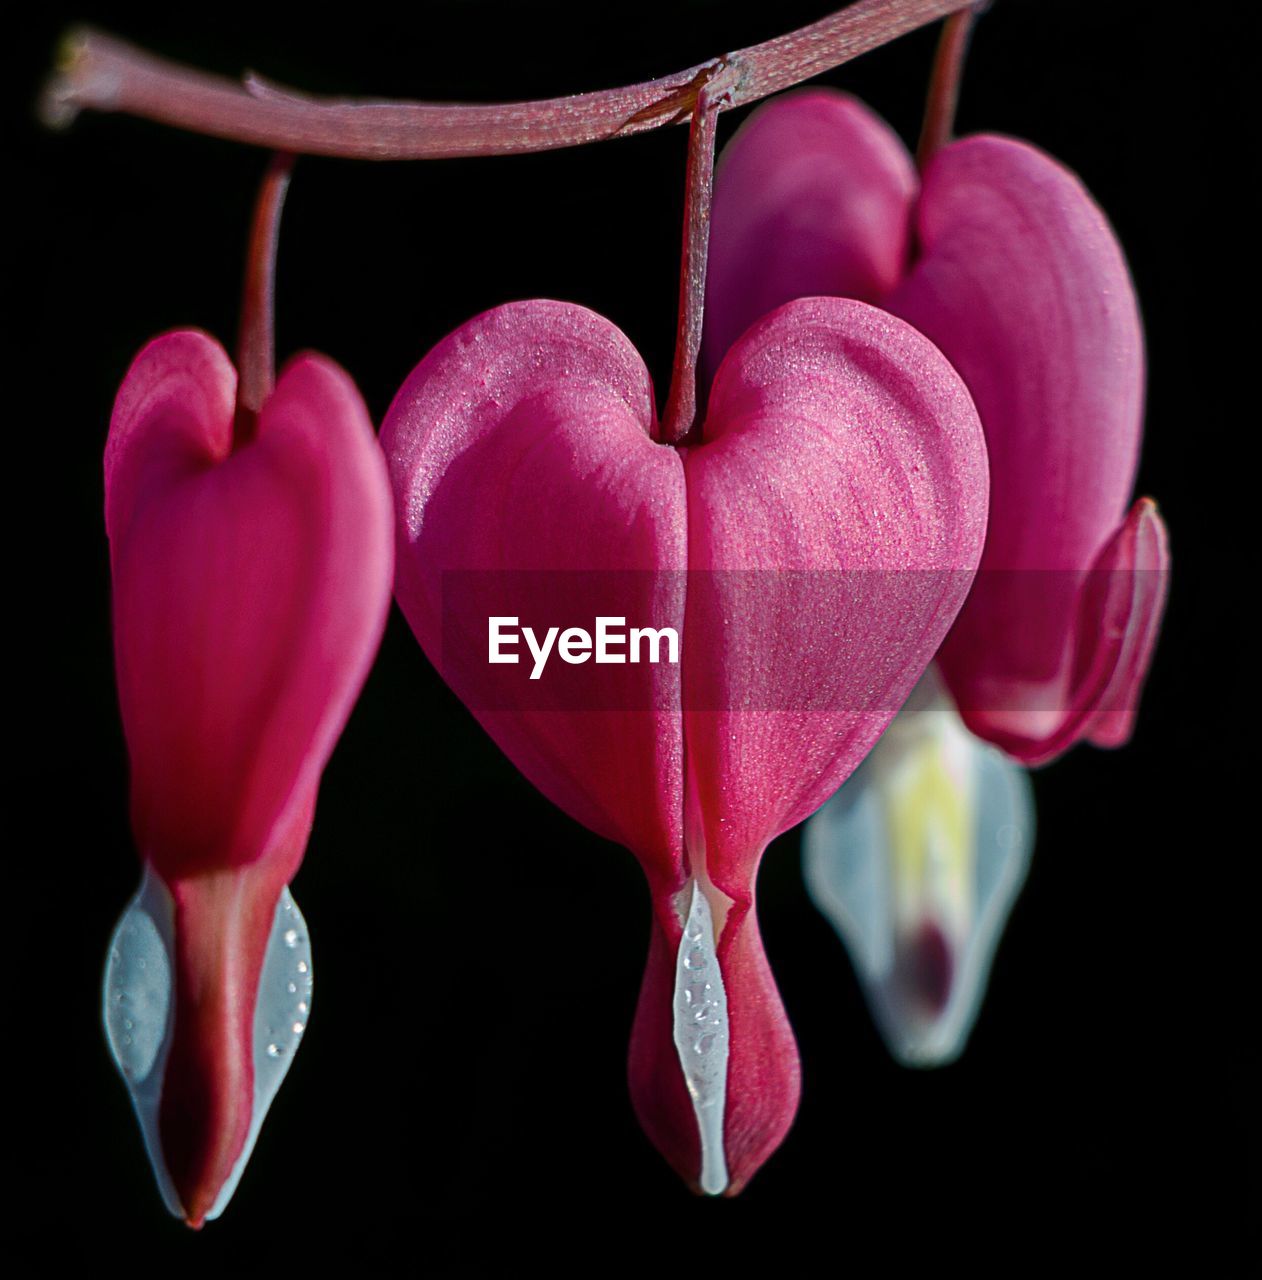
{"x": 461, "y": 1103}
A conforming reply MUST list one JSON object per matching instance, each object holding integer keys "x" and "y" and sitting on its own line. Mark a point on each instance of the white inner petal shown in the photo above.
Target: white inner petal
{"x": 702, "y": 1036}
{"x": 137, "y": 1009}
{"x": 138, "y": 1012}
{"x": 934, "y": 826}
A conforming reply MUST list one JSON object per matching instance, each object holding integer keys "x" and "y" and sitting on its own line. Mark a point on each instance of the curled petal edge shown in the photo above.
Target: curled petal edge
{"x": 1120, "y": 606}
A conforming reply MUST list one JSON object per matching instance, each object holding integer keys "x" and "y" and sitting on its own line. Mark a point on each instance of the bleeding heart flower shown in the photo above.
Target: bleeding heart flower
{"x": 1004, "y": 261}
{"x": 252, "y": 557}
{"x": 810, "y": 551}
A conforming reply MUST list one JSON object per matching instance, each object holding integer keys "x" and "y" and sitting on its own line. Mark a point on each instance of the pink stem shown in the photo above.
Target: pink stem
{"x": 256, "y": 340}
{"x": 101, "y": 73}
{"x": 681, "y": 403}
{"x": 944, "y": 85}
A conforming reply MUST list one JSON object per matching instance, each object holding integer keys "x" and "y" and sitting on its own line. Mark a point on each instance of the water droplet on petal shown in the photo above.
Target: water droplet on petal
{"x": 701, "y": 1038}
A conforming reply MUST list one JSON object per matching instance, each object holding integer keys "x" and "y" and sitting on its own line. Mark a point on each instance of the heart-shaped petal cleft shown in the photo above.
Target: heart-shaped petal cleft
{"x": 807, "y": 556}
{"x": 251, "y": 581}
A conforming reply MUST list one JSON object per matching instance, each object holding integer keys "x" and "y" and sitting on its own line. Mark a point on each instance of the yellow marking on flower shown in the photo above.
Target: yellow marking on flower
{"x": 930, "y": 822}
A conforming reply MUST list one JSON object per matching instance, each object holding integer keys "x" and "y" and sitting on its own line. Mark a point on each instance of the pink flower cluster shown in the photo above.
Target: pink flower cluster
{"x": 919, "y": 443}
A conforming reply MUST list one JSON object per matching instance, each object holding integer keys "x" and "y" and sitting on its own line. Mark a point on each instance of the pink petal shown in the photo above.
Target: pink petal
{"x": 1022, "y": 285}
{"x": 813, "y": 196}
{"x": 250, "y": 591}
{"x": 522, "y": 445}
{"x": 1138, "y": 555}
{"x": 836, "y": 514}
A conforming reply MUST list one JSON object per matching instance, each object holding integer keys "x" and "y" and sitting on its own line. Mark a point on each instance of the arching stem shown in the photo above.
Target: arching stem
{"x": 256, "y": 338}
{"x": 681, "y": 404}
{"x": 944, "y": 85}
{"x": 101, "y": 73}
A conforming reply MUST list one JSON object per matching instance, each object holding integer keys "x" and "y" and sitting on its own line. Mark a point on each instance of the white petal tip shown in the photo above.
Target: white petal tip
{"x": 138, "y": 1014}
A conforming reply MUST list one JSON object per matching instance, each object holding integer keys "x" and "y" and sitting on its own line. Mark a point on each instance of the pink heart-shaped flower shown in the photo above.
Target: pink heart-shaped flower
{"x": 251, "y": 582}
{"x": 810, "y": 553}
